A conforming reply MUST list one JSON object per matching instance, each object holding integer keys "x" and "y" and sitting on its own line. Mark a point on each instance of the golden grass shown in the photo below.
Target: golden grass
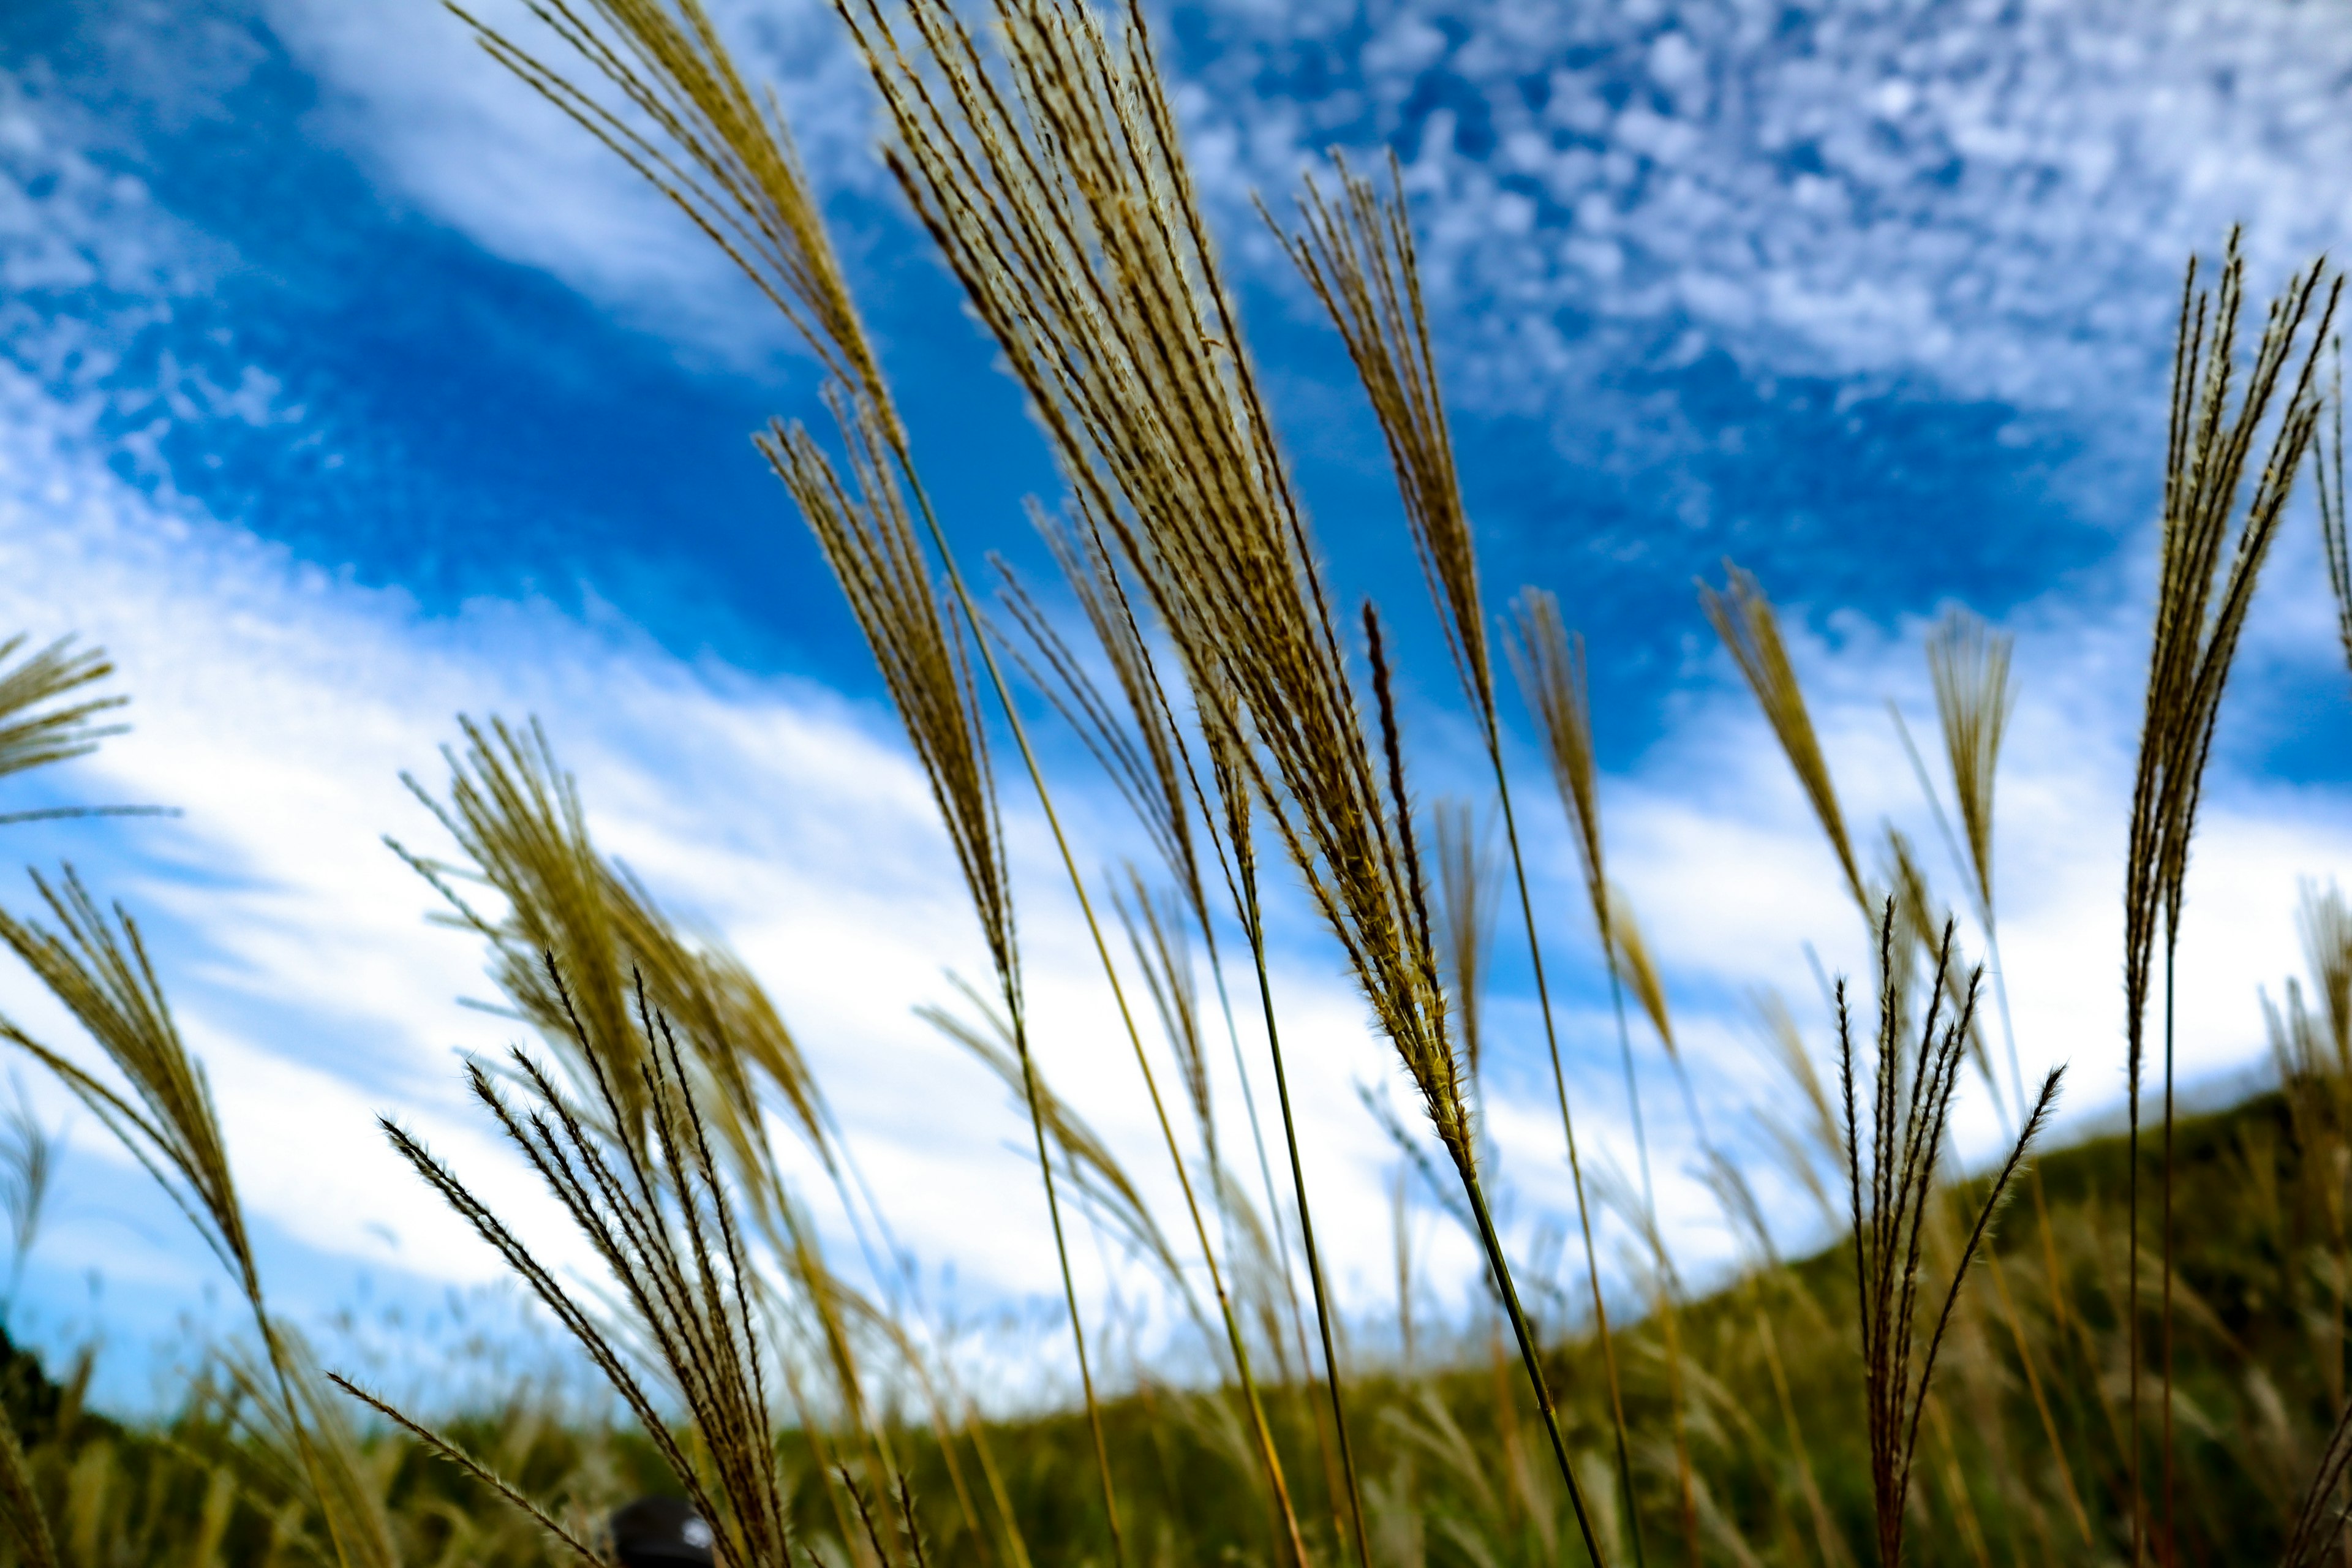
{"x": 1969, "y": 667}
{"x": 26, "y": 1515}
{"x": 2201, "y": 610}
{"x": 1892, "y": 1173}
{"x": 37, "y": 728}
{"x": 1145, "y": 752}
{"x": 694, "y": 129}
{"x": 43, "y": 720}
{"x": 1464, "y": 914}
{"x": 1549, "y": 665}
{"x": 515, "y": 817}
{"x": 2328, "y": 479}
{"x": 1750, "y": 631}
{"x": 656, "y": 1213}
{"x": 1060, "y": 200}
{"x": 1357, "y": 255}
{"x": 95, "y": 964}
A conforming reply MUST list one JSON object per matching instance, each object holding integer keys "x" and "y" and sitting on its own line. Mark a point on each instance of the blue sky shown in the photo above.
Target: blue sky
{"x": 344, "y": 387}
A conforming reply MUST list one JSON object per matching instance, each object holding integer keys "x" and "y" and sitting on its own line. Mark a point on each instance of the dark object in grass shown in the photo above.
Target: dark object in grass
{"x": 660, "y": 1533}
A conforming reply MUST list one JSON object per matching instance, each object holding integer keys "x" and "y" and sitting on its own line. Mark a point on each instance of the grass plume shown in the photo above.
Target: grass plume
{"x": 38, "y": 725}
{"x": 2201, "y": 607}
{"x": 675, "y": 108}
{"x": 1357, "y": 253}
{"x": 867, "y": 534}
{"x": 1892, "y": 1188}
{"x": 1744, "y": 618}
{"x": 659, "y": 1216}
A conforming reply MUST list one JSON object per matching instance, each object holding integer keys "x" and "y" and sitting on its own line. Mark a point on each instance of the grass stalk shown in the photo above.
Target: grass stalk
{"x": 2026, "y": 1362}
{"x": 1452, "y": 1126}
{"x": 1826, "y": 1538}
{"x": 1260, "y": 1432}
{"x": 97, "y": 966}
{"x": 1358, "y": 255}
{"x": 27, "y": 1518}
{"x": 1229, "y": 766}
{"x": 1912, "y": 1093}
{"x": 2210, "y": 443}
{"x": 1147, "y": 776}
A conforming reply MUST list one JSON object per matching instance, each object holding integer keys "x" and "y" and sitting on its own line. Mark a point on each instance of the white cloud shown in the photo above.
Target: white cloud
{"x": 1733, "y": 877}
{"x": 1996, "y": 198}
{"x": 276, "y": 704}
{"x": 1993, "y": 201}
{"x": 445, "y": 128}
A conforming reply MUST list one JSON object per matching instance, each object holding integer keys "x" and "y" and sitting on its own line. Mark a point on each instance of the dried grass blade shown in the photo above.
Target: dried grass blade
{"x": 32, "y": 736}
{"x": 1750, "y": 631}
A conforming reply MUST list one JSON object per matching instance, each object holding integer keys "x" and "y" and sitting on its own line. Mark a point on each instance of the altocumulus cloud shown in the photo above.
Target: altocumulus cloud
{"x": 1986, "y": 193}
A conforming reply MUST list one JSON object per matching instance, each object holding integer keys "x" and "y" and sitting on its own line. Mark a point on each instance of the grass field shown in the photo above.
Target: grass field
{"x": 1451, "y": 1477}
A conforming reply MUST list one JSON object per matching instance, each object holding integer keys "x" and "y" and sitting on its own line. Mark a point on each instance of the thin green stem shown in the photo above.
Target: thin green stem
{"x": 980, "y": 634}
{"x": 1259, "y": 1430}
{"x": 1576, "y": 1172}
{"x": 1509, "y": 1292}
{"x": 2165, "y": 1553}
{"x": 1037, "y": 1126}
{"x": 1280, "y": 1233}
{"x": 1657, "y": 1242}
{"x": 1069, "y": 1288}
{"x": 1632, "y": 1091}
{"x": 1257, "y": 933}
{"x": 2131, "y": 1317}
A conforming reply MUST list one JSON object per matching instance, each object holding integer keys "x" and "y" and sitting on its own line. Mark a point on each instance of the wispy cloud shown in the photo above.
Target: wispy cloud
{"x": 1994, "y": 199}
{"x": 444, "y": 129}
{"x": 276, "y": 704}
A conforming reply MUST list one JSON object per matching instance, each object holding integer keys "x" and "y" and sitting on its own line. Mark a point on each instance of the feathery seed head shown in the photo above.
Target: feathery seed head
{"x": 1357, "y": 255}
{"x": 1969, "y": 666}
{"x": 32, "y": 736}
{"x": 869, "y": 538}
{"x": 1549, "y": 664}
{"x": 687, "y": 121}
{"x": 1744, "y": 618}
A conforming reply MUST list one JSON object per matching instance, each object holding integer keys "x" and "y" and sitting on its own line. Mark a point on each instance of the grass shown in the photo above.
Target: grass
{"x": 1437, "y": 1441}
{"x": 1874, "y": 1403}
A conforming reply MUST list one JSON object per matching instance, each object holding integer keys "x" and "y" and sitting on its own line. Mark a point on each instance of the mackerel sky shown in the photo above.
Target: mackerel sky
{"x": 344, "y": 387}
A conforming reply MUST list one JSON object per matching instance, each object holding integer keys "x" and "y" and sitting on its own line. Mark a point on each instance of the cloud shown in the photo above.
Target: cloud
{"x": 443, "y": 128}
{"x": 1733, "y": 877}
{"x": 1992, "y": 200}
{"x": 1963, "y": 202}
{"x": 278, "y": 704}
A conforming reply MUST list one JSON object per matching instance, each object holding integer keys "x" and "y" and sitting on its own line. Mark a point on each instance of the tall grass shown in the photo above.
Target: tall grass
{"x": 2201, "y": 610}
{"x": 1868, "y": 1400}
{"x": 1891, "y": 1176}
{"x": 160, "y": 1108}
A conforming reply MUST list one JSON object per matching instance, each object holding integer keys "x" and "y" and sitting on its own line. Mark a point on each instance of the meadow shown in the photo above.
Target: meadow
{"x": 2133, "y": 1350}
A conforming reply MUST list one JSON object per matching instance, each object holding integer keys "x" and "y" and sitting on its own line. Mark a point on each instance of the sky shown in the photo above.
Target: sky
{"x": 345, "y": 388}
